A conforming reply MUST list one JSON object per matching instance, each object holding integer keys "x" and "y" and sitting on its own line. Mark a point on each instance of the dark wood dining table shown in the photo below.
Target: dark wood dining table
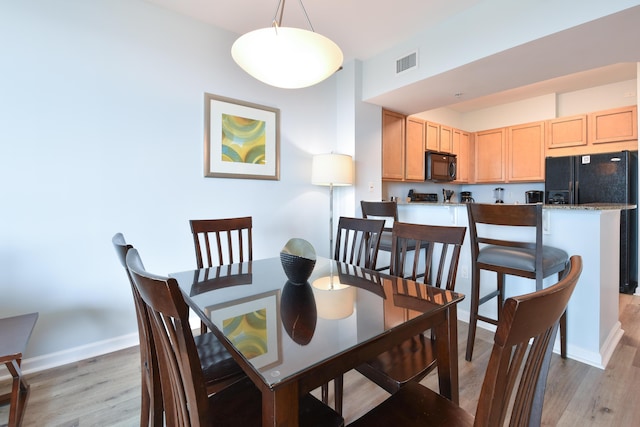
{"x": 292, "y": 338}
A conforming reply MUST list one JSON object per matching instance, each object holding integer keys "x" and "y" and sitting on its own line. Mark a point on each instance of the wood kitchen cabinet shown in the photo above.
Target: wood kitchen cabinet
{"x": 615, "y": 125}
{"x": 567, "y": 132}
{"x": 462, "y": 148}
{"x": 414, "y": 149}
{"x": 490, "y": 156}
{"x": 438, "y": 137}
{"x": 446, "y": 139}
{"x": 432, "y": 136}
{"x": 393, "y": 143}
{"x": 525, "y": 152}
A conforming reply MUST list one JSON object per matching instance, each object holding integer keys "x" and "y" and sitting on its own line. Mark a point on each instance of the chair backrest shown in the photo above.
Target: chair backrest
{"x": 505, "y": 215}
{"x": 229, "y": 234}
{"x": 183, "y": 389}
{"x": 516, "y": 366}
{"x": 358, "y": 241}
{"x": 380, "y": 210}
{"x": 441, "y": 247}
{"x": 148, "y": 360}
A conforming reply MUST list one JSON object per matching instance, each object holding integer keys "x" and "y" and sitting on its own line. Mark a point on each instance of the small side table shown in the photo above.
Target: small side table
{"x": 14, "y": 336}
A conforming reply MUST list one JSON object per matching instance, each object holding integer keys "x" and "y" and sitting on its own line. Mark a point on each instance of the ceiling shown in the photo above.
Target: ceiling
{"x": 365, "y": 32}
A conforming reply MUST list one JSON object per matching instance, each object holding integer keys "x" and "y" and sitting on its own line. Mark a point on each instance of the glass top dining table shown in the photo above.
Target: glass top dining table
{"x": 292, "y": 338}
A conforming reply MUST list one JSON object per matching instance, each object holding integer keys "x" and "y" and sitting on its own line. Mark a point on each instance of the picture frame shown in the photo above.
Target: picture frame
{"x": 252, "y": 324}
{"x": 241, "y": 139}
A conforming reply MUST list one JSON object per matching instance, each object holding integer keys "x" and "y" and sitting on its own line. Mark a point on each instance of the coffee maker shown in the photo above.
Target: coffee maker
{"x": 465, "y": 197}
{"x": 498, "y": 194}
{"x": 534, "y": 196}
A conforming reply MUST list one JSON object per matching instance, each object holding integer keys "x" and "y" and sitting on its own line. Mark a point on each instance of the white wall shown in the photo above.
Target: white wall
{"x": 101, "y": 128}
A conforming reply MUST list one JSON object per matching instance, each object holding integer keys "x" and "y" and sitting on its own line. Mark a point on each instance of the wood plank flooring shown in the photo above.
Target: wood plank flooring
{"x": 105, "y": 391}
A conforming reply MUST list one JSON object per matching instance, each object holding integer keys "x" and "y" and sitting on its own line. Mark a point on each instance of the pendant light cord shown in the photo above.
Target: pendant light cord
{"x": 277, "y": 21}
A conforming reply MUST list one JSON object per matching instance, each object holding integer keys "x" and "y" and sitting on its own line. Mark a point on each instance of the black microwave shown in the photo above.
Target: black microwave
{"x": 440, "y": 166}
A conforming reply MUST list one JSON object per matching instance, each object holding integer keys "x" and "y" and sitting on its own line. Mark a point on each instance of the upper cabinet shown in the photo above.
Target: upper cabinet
{"x": 567, "y": 132}
{"x": 393, "y": 136}
{"x": 511, "y": 154}
{"x": 620, "y": 124}
{"x": 414, "y": 150}
{"x": 438, "y": 137}
{"x": 463, "y": 149}
{"x": 525, "y": 146}
{"x": 600, "y": 132}
{"x": 432, "y": 136}
{"x": 490, "y": 156}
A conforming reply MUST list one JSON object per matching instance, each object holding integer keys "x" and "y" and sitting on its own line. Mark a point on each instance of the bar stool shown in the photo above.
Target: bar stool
{"x": 14, "y": 337}
{"x": 382, "y": 210}
{"x": 503, "y": 256}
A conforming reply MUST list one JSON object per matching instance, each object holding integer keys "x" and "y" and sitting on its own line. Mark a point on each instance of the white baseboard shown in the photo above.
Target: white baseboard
{"x": 72, "y": 355}
{"x": 597, "y": 359}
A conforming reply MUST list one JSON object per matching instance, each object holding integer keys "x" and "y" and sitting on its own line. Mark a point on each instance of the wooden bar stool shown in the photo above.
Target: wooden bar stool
{"x": 14, "y": 336}
{"x": 490, "y": 251}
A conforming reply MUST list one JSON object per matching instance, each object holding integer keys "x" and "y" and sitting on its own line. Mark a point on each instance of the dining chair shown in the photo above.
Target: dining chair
{"x": 514, "y": 367}
{"x": 416, "y": 357}
{"x": 387, "y": 210}
{"x": 15, "y": 333}
{"x": 505, "y": 255}
{"x": 219, "y": 368}
{"x": 184, "y": 393}
{"x": 357, "y": 243}
{"x": 222, "y": 241}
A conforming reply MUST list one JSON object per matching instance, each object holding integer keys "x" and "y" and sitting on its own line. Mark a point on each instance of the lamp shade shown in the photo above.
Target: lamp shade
{"x": 287, "y": 57}
{"x": 332, "y": 169}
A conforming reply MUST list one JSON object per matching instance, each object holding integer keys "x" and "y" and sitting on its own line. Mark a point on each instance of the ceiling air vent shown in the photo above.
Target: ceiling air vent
{"x": 407, "y": 63}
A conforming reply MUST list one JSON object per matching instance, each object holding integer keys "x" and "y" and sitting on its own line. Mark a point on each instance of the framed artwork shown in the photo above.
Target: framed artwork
{"x": 252, "y": 324}
{"x": 241, "y": 140}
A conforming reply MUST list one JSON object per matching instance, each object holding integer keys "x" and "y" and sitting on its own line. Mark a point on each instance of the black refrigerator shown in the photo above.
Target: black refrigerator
{"x": 601, "y": 178}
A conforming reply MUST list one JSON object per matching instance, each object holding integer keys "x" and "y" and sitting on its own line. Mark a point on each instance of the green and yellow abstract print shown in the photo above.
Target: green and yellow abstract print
{"x": 243, "y": 140}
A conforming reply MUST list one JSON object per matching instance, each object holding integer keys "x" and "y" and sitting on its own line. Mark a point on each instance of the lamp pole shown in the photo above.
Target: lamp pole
{"x": 330, "y": 220}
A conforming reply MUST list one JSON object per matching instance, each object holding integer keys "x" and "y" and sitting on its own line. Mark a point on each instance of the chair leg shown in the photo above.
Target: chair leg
{"x": 500, "y": 296}
{"x": 473, "y": 313}
{"x": 563, "y": 335}
{"x": 324, "y": 392}
{"x": 563, "y": 324}
{"x": 338, "y": 387}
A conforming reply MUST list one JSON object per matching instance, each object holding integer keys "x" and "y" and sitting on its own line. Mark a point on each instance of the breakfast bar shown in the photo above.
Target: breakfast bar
{"x": 592, "y": 231}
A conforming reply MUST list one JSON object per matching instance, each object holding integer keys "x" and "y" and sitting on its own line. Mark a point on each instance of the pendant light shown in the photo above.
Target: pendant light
{"x": 287, "y": 57}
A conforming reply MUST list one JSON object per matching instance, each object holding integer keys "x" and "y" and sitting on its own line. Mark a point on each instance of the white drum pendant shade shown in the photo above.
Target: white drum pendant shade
{"x": 286, "y": 57}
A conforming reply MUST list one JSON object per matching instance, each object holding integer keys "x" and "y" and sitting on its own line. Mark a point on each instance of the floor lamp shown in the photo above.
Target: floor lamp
{"x": 331, "y": 170}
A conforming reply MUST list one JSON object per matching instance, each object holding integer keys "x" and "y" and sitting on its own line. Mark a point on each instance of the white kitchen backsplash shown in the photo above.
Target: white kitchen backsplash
{"x": 481, "y": 193}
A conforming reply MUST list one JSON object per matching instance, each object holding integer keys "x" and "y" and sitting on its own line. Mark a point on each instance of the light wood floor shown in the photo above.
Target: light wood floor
{"x": 105, "y": 391}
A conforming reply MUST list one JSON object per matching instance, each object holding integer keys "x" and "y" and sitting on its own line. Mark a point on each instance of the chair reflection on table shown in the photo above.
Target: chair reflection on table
{"x": 208, "y": 279}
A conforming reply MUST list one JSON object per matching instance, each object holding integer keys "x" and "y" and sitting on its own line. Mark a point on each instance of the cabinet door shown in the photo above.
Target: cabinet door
{"x": 526, "y": 152}
{"x": 566, "y": 132}
{"x": 490, "y": 155}
{"x": 432, "y": 136}
{"x": 414, "y": 150}
{"x": 446, "y": 139}
{"x": 462, "y": 149}
{"x": 393, "y": 128}
{"x": 619, "y": 124}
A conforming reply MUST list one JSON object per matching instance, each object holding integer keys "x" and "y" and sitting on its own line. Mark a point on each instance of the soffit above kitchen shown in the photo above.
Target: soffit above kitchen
{"x": 365, "y": 29}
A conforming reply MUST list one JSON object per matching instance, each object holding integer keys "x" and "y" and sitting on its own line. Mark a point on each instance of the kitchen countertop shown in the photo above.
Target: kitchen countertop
{"x": 583, "y": 207}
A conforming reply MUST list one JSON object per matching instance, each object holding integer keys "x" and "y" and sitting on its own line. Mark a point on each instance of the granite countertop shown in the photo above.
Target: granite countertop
{"x": 583, "y": 207}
